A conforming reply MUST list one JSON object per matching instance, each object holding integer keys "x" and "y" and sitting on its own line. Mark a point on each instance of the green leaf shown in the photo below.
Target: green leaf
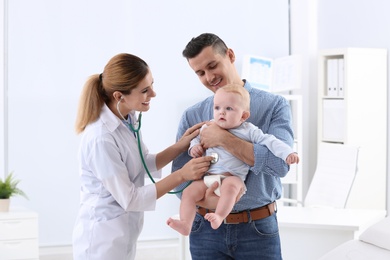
{"x": 9, "y": 187}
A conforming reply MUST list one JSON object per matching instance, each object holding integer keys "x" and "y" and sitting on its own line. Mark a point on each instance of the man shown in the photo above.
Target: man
{"x": 251, "y": 230}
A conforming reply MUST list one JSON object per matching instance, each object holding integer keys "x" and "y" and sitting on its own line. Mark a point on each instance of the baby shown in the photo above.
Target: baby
{"x": 231, "y": 110}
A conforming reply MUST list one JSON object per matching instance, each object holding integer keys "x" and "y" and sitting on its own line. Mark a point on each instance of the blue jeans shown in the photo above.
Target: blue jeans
{"x": 254, "y": 240}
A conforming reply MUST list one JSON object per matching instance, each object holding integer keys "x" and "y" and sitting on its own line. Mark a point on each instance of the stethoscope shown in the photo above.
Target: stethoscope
{"x": 135, "y": 129}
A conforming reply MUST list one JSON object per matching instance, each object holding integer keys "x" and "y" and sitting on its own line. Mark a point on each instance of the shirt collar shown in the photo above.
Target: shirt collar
{"x": 109, "y": 119}
{"x": 247, "y": 85}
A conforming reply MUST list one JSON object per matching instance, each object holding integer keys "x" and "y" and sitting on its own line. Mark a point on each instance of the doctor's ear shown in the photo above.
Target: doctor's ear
{"x": 118, "y": 96}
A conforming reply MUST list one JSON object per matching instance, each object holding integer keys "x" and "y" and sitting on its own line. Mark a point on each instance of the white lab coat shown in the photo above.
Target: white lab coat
{"x": 113, "y": 196}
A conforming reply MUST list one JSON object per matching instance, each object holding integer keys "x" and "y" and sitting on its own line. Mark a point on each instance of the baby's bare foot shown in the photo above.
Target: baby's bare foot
{"x": 214, "y": 219}
{"x": 180, "y": 226}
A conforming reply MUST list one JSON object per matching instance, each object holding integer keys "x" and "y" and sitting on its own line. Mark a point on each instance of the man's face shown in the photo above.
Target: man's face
{"x": 213, "y": 69}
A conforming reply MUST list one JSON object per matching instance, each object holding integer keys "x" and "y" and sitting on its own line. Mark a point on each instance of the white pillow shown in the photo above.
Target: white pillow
{"x": 378, "y": 234}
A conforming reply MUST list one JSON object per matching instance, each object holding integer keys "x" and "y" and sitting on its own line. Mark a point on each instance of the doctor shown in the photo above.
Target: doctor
{"x": 113, "y": 194}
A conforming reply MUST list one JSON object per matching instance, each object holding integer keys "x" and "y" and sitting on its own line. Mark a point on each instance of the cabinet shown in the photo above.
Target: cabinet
{"x": 19, "y": 235}
{"x": 352, "y": 109}
{"x": 309, "y": 233}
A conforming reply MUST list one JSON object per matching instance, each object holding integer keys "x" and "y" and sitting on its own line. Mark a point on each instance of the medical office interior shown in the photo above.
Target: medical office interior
{"x": 49, "y": 48}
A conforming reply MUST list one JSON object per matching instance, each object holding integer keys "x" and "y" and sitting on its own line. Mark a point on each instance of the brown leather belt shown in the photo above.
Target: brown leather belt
{"x": 246, "y": 215}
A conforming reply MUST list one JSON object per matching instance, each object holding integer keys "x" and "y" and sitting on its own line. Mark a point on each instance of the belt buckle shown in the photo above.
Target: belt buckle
{"x": 230, "y": 223}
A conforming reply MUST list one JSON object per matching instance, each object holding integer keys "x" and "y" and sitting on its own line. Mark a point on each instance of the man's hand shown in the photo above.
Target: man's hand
{"x": 210, "y": 199}
{"x": 212, "y": 135}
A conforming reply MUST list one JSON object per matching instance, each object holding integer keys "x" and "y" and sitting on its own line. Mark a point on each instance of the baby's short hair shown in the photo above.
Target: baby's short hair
{"x": 240, "y": 90}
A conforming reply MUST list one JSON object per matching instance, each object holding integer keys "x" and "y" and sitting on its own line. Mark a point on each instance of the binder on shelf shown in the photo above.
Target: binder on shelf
{"x": 341, "y": 83}
{"x": 332, "y": 78}
{"x": 334, "y": 120}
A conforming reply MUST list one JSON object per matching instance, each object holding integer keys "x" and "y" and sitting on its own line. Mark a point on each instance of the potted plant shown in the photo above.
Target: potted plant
{"x": 9, "y": 188}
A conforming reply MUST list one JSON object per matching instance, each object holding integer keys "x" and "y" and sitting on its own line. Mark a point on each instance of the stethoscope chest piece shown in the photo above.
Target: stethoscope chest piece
{"x": 215, "y": 156}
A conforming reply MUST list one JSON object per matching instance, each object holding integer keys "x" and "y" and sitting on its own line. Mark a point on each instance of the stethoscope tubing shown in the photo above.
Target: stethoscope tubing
{"x": 136, "y": 132}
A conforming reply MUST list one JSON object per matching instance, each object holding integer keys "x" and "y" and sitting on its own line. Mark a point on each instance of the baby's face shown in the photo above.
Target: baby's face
{"x": 228, "y": 109}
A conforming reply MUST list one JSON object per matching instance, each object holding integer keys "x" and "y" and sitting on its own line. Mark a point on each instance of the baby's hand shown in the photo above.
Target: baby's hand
{"x": 292, "y": 158}
{"x": 197, "y": 151}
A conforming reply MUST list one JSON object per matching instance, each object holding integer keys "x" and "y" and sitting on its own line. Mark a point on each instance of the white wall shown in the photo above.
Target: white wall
{"x": 3, "y": 34}
{"x": 304, "y": 31}
{"x": 55, "y": 45}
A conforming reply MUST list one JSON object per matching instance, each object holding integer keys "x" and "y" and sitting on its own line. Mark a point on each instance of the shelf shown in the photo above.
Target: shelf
{"x": 357, "y": 116}
{"x": 293, "y": 181}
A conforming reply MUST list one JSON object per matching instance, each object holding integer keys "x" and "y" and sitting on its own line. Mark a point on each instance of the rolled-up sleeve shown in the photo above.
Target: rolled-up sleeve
{"x": 280, "y": 127}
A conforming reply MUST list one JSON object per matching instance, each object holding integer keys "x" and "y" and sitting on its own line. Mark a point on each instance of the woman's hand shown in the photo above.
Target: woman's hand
{"x": 196, "y": 168}
{"x": 191, "y": 133}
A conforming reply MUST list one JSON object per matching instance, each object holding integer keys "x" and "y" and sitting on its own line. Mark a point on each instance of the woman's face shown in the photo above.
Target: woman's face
{"x": 139, "y": 98}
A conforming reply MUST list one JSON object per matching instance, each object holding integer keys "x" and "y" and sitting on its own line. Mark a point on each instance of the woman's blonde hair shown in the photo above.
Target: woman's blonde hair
{"x": 123, "y": 73}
